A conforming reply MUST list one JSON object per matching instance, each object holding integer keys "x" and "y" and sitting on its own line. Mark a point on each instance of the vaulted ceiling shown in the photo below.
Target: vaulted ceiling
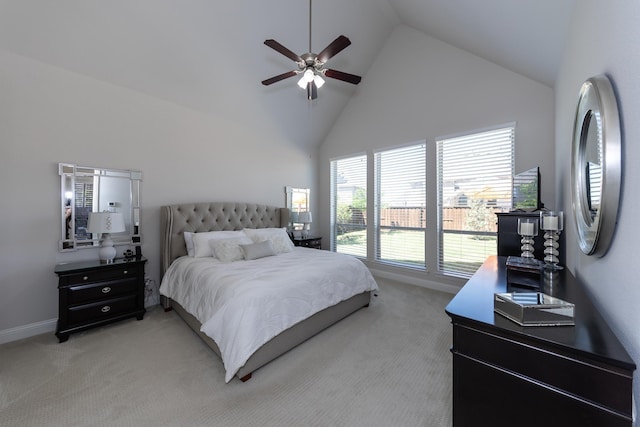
{"x": 209, "y": 55}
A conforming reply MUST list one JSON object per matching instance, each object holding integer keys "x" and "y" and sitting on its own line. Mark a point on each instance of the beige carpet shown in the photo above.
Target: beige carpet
{"x": 386, "y": 365}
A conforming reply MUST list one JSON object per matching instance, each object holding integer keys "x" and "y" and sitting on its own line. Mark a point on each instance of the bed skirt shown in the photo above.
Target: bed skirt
{"x": 287, "y": 339}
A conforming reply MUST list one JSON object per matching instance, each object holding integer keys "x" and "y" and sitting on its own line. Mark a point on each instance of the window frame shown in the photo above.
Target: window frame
{"x": 432, "y": 235}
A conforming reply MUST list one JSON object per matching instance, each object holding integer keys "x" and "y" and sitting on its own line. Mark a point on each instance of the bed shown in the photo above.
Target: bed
{"x": 316, "y": 307}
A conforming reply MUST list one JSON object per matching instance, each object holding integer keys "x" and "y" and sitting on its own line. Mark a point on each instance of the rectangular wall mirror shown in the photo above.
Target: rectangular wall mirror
{"x": 297, "y": 200}
{"x": 90, "y": 189}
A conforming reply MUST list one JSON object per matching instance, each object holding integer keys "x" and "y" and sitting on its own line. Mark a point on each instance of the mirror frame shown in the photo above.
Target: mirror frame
{"x": 69, "y": 175}
{"x": 596, "y": 104}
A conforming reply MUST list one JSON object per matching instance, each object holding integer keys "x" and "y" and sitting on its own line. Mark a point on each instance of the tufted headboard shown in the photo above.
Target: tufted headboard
{"x": 214, "y": 216}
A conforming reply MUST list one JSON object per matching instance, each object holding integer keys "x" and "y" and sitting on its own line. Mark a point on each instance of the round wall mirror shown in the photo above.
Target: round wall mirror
{"x": 596, "y": 165}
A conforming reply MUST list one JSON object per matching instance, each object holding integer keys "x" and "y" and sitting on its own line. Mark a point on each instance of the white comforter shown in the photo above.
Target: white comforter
{"x": 243, "y": 304}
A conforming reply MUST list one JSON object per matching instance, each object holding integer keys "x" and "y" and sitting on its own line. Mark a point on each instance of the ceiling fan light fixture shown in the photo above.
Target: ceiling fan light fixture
{"x": 302, "y": 83}
{"x": 308, "y": 75}
{"x": 319, "y": 81}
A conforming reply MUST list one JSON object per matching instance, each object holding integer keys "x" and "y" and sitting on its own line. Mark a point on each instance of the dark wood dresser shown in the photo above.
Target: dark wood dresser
{"x": 92, "y": 294}
{"x": 508, "y": 375}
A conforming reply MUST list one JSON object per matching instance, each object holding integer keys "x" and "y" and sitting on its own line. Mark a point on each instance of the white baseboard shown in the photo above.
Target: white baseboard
{"x": 429, "y": 284}
{"x": 49, "y": 326}
{"x": 26, "y": 331}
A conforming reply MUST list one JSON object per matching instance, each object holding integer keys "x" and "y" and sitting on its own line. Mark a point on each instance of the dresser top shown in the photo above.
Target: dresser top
{"x": 590, "y": 337}
{"x": 67, "y": 267}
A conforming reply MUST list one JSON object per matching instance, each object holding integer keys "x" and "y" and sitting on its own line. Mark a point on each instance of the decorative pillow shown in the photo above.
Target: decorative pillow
{"x": 280, "y": 240}
{"x": 257, "y": 250}
{"x": 229, "y": 250}
{"x": 188, "y": 241}
{"x": 201, "y": 241}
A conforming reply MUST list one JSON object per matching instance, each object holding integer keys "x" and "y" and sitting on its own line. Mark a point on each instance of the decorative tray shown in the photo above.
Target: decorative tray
{"x": 534, "y": 309}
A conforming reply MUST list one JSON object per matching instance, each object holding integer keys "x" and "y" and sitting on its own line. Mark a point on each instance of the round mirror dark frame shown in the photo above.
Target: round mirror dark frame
{"x": 596, "y": 165}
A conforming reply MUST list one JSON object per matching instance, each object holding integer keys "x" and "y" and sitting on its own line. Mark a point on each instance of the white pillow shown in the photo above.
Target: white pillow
{"x": 188, "y": 241}
{"x": 280, "y": 240}
{"x": 229, "y": 250}
{"x": 201, "y": 241}
{"x": 257, "y": 250}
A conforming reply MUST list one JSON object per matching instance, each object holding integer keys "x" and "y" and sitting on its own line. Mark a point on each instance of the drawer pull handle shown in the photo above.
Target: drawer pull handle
{"x": 106, "y": 290}
{"x": 85, "y": 278}
{"x": 105, "y": 309}
{"x": 125, "y": 272}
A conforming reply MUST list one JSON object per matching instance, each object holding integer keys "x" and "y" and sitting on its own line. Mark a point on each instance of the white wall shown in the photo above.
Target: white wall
{"x": 49, "y": 115}
{"x": 604, "y": 38}
{"x": 421, "y": 88}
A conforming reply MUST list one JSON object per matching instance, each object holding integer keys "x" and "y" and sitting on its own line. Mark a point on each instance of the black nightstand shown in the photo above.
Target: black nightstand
{"x": 92, "y": 294}
{"x": 308, "y": 242}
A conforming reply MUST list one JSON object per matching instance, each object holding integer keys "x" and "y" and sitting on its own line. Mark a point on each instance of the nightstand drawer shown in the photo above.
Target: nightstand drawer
{"x": 103, "y": 290}
{"x": 100, "y": 275}
{"x": 104, "y": 309}
{"x": 311, "y": 243}
{"x": 308, "y": 242}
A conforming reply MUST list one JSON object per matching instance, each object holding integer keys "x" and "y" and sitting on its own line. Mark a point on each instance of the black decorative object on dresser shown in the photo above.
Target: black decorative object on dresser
{"x": 308, "y": 242}
{"x": 505, "y": 374}
{"x": 92, "y": 294}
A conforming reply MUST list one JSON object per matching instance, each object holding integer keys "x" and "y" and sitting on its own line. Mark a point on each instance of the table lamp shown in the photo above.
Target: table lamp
{"x": 305, "y": 218}
{"x": 106, "y": 223}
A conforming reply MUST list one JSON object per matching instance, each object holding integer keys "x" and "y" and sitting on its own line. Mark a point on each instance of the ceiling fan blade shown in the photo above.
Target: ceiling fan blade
{"x": 279, "y": 77}
{"x": 312, "y": 91}
{"x": 341, "y": 75}
{"x": 283, "y": 50}
{"x": 334, "y": 48}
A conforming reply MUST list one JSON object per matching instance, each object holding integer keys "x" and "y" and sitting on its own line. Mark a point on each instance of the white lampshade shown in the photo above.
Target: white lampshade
{"x": 308, "y": 75}
{"x": 319, "y": 81}
{"x": 305, "y": 217}
{"x": 106, "y": 223}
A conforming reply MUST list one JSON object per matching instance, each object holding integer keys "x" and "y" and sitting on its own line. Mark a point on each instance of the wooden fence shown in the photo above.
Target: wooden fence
{"x": 452, "y": 219}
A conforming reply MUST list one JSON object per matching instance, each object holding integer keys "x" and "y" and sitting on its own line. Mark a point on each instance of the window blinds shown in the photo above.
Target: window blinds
{"x": 400, "y": 205}
{"x": 349, "y": 205}
{"x": 474, "y": 182}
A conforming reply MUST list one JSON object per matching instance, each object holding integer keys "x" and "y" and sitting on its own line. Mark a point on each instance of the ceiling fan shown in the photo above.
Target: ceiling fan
{"x": 311, "y": 66}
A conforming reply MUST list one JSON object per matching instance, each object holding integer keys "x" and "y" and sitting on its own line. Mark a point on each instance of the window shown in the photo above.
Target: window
{"x": 474, "y": 182}
{"x": 349, "y": 205}
{"x": 400, "y": 203}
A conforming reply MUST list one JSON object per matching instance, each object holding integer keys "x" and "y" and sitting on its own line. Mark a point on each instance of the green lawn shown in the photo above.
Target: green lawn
{"x": 461, "y": 252}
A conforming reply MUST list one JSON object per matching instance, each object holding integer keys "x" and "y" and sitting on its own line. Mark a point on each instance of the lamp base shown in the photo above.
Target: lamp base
{"x": 107, "y": 252}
